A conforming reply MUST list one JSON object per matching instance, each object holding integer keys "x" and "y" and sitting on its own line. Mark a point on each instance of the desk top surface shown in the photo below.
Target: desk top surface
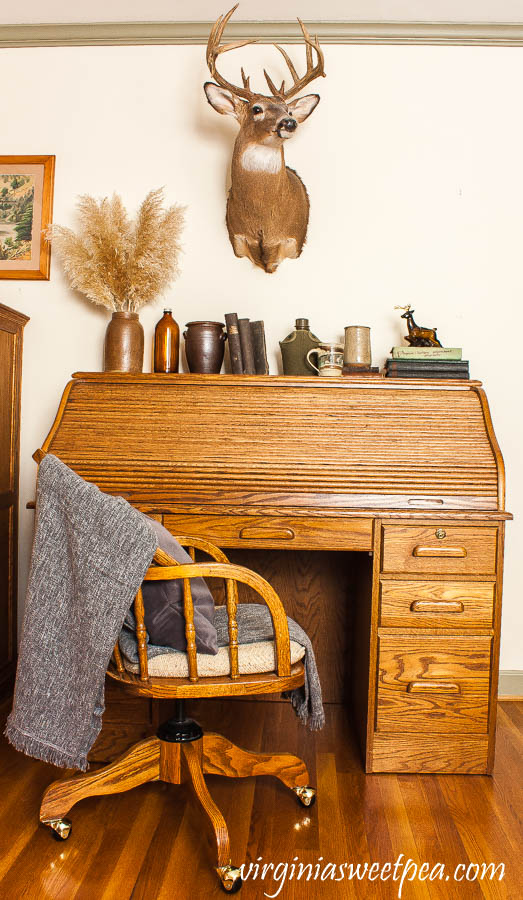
{"x": 345, "y": 444}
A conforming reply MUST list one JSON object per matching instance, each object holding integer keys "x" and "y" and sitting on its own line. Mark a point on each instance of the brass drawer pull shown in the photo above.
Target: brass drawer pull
{"x": 439, "y": 552}
{"x": 423, "y": 687}
{"x": 263, "y": 533}
{"x": 437, "y": 606}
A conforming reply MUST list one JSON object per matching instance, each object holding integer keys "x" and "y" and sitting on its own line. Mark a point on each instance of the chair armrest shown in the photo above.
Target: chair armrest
{"x": 200, "y": 543}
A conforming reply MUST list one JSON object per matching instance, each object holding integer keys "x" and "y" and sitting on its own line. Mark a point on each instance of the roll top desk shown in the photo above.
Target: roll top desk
{"x": 405, "y": 476}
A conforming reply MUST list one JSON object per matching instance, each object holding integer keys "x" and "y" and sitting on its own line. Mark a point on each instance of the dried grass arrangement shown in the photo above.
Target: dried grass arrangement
{"x": 116, "y": 262}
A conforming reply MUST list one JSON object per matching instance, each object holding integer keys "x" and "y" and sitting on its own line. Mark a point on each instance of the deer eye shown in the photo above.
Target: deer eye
{"x": 256, "y": 110}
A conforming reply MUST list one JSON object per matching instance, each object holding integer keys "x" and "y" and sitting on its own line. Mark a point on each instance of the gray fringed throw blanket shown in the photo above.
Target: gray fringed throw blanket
{"x": 90, "y": 554}
{"x": 254, "y": 624}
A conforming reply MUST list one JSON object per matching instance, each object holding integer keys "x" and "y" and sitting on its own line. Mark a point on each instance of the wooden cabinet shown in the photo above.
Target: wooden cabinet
{"x": 436, "y": 646}
{"x": 11, "y": 331}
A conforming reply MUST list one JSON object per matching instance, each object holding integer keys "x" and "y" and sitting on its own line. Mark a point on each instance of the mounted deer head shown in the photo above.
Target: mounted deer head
{"x": 268, "y": 206}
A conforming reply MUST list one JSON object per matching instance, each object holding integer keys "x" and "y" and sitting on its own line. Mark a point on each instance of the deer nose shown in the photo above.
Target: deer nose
{"x": 288, "y": 124}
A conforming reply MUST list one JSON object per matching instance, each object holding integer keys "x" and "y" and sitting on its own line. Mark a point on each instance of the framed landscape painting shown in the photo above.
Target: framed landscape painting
{"x": 26, "y": 206}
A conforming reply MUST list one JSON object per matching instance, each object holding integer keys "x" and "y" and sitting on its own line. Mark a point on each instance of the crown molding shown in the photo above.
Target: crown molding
{"x": 86, "y": 34}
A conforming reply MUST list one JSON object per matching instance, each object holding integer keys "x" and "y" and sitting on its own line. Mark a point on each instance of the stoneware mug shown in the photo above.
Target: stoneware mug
{"x": 330, "y": 359}
{"x": 357, "y": 346}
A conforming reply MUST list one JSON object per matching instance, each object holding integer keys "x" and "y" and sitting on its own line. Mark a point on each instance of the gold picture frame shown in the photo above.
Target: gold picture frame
{"x": 26, "y": 208}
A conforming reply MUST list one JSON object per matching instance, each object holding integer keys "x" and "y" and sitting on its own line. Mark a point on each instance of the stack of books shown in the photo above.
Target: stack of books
{"x": 427, "y": 362}
{"x": 247, "y": 351}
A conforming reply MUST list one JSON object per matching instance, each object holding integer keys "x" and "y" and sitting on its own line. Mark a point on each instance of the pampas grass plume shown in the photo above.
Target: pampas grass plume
{"x": 119, "y": 263}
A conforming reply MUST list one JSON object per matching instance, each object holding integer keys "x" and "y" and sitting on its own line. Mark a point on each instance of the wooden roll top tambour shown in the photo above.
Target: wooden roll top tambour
{"x": 307, "y": 443}
{"x": 408, "y": 470}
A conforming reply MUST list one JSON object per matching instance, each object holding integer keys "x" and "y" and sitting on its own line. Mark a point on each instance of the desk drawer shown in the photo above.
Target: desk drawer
{"x": 312, "y": 533}
{"x": 444, "y": 548}
{"x": 433, "y": 683}
{"x": 436, "y": 604}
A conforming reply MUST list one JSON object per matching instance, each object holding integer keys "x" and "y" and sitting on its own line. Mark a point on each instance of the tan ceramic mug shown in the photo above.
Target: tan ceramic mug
{"x": 330, "y": 359}
{"x": 357, "y": 346}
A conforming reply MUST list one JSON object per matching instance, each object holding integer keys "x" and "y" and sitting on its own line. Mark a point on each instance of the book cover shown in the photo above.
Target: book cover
{"x": 260, "y": 351}
{"x": 244, "y": 327}
{"x": 404, "y": 365}
{"x": 450, "y": 353}
{"x": 459, "y": 374}
{"x": 233, "y": 339}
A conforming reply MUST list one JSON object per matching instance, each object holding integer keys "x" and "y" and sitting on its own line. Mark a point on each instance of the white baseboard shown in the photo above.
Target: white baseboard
{"x": 510, "y": 684}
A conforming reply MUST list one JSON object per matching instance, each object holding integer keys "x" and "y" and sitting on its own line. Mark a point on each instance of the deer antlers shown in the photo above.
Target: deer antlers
{"x": 214, "y": 50}
{"x": 313, "y": 71}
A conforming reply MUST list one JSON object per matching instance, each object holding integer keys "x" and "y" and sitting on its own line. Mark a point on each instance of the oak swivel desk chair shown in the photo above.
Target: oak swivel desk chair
{"x": 181, "y": 751}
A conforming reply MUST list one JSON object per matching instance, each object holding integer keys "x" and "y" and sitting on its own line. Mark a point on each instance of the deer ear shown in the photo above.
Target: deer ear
{"x": 221, "y": 100}
{"x": 303, "y": 106}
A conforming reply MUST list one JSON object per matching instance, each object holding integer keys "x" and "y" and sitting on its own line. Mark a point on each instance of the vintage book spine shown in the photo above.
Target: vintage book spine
{"x": 410, "y": 374}
{"x": 460, "y": 374}
{"x": 451, "y": 353}
{"x": 435, "y": 372}
{"x": 233, "y": 338}
{"x": 244, "y": 327}
{"x": 260, "y": 351}
{"x": 402, "y": 365}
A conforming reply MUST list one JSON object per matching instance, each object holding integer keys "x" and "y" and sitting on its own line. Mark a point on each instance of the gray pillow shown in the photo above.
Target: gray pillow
{"x": 163, "y": 603}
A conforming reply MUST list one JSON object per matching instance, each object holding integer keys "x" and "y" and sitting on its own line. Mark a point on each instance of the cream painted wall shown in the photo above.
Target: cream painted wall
{"x": 413, "y": 164}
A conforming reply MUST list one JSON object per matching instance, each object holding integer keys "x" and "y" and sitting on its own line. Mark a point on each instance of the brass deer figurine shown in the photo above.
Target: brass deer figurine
{"x": 418, "y": 336}
{"x": 268, "y": 205}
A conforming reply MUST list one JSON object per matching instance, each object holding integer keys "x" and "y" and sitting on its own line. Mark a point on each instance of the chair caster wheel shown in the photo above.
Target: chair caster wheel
{"x": 60, "y": 828}
{"x": 306, "y": 795}
{"x": 230, "y": 879}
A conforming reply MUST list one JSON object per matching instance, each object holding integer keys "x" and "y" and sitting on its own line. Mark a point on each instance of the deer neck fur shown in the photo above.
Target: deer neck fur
{"x": 255, "y": 164}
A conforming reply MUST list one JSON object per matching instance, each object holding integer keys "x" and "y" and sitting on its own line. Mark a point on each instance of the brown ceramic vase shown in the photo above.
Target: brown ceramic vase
{"x": 123, "y": 348}
{"x": 204, "y": 347}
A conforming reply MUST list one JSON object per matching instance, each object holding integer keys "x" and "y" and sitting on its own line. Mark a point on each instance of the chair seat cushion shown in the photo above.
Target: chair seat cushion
{"x": 252, "y": 659}
{"x": 163, "y": 603}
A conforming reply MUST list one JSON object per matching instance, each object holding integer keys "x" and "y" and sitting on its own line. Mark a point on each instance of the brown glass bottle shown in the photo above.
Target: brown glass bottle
{"x": 166, "y": 344}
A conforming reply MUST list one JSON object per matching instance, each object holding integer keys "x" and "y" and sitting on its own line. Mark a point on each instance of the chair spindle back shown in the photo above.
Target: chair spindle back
{"x": 230, "y": 574}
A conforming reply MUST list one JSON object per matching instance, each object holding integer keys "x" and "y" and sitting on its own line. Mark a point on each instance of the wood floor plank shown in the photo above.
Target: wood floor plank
{"x": 451, "y": 848}
{"x": 433, "y": 842}
{"x": 376, "y": 825}
{"x": 400, "y": 827}
{"x": 331, "y": 819}
{"x": 190, "y": 861}
{"x": 129, "y": 824}
{"x": 514, "y": 711}
{"x": 153, "y": 871}
{"x": 61, "y": 866}
{"x": 478, "y": 825}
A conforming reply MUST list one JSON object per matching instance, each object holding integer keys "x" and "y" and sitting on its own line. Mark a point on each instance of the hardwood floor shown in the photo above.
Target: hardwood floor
{"x": 149, "y": 844}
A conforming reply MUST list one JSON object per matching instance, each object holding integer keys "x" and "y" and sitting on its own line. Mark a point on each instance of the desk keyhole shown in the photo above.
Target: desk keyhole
{"x": 441, "y": 533}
